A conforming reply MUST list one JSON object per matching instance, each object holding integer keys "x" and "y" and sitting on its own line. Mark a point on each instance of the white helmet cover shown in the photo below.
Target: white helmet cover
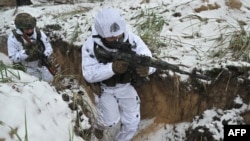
{"x": 109, "y": 23}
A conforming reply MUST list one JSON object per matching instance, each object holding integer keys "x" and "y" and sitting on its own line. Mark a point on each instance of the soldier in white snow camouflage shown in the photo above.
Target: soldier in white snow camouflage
{"x": 24, "y": 44}
{"x": 115, "y": 96}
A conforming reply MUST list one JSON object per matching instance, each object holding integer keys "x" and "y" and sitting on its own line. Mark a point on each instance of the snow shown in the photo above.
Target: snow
{"x": 49, "y": 118}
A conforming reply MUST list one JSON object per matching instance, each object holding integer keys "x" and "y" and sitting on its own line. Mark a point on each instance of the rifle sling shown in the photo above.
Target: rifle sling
{"x": 27, "y": 38}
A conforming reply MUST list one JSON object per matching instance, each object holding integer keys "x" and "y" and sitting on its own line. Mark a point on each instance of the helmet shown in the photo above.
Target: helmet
{"x": 109, "y": 23}
{"x": 25, "y": 21}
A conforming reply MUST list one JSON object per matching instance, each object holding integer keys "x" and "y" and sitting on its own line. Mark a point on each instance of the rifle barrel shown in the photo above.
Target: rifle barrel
{"x": 141, "y": 60}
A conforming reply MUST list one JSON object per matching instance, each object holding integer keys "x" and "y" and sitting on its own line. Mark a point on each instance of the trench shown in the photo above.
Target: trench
{"x": 167, "y": 99}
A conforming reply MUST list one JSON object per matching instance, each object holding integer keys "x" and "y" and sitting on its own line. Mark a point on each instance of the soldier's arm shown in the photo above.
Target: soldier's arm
{"x": 15, "y": 50}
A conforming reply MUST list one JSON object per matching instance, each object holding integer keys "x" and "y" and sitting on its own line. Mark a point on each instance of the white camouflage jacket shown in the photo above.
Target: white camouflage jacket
{"x": 93, "y": 71}
{"x": 16, "y": 50}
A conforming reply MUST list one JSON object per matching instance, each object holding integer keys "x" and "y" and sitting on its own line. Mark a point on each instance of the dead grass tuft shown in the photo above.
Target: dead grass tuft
{"x": 207, "y": 7}
{"x": 234, "y": 4}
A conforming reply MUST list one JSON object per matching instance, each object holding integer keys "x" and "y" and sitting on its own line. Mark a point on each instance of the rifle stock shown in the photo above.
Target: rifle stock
{"x": 45, "y": 62}
{"x": 141, "y": 60}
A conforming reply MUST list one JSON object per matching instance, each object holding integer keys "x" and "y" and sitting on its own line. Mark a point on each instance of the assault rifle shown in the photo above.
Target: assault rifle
{"x": 141, "y": 60}
{"x": 42, "y": 58}
{"x": 45, "y": 62}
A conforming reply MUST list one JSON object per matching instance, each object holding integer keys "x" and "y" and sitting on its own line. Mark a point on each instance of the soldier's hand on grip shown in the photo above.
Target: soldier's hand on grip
{"x": 120, "y": 66}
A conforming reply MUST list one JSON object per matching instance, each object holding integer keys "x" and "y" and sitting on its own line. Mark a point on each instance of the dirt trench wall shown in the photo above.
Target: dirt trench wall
{"x": 7, "y": 3}
{"x": 166, "y": 98}
{"x": 68, "y": 58}
{"x": 172, "y": 101}
{"x": 168, "y": 101}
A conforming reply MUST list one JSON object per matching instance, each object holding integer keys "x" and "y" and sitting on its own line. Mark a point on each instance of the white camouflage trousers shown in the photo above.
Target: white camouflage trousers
{"x": 115, "y": 104}
{"x": 40, "y": 72}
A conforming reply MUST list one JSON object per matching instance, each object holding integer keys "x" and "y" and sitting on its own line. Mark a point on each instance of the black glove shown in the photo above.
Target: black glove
{"x": 120, "y": 66}
{"x": 33, "y": 53}
{"x": 142, "y": 71}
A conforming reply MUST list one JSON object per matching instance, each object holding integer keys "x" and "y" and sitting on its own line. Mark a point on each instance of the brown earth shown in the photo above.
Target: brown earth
{"x": 4, "y": 3}
{"x": 171, "y": 101}
{"x": 166, "y": 98}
